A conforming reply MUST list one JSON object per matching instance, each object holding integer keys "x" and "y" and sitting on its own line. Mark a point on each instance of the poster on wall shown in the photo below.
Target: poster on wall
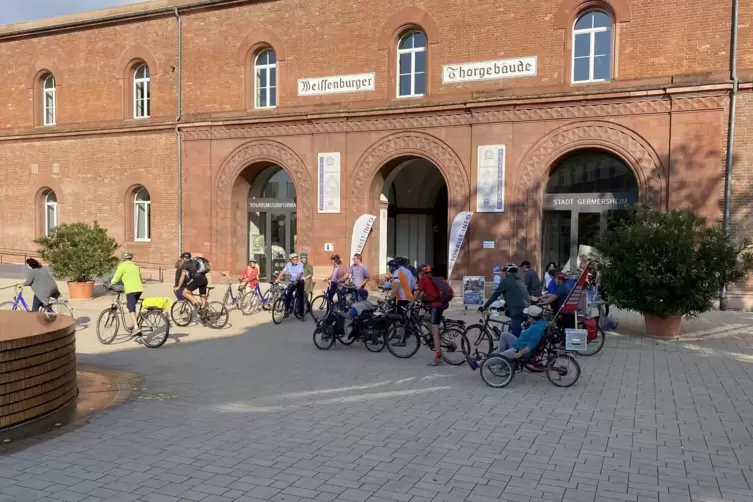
{"x": 457, "y": 235}
{"x": 361, "y": 231}
{"x": 474, "y": 291}
{"x": 490, "y": 179}
{"x": 329, "y": 182}
{"x": 496, "y": 279}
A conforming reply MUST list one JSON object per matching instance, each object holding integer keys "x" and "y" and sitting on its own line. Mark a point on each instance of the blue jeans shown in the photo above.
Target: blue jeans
{"x": 516, "y": 324}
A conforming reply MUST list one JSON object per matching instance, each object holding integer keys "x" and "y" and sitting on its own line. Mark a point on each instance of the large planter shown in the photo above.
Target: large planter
{"x": 668, "y": 327}
{"x": 81, "y": 290}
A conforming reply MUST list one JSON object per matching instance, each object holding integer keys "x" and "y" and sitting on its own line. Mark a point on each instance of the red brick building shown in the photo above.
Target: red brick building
{"x": 255, "y": 128}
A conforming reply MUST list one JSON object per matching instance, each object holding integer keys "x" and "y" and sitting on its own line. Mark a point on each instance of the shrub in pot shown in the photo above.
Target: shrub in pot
{"x": 668, "y": 265}
{"x": 79, "y": 253}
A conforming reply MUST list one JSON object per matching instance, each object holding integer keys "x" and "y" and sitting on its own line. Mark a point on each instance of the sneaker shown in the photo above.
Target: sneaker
{"x": 137, "y": 332}
{"x": 436, "y": 361}
{"x": 471, "y": 362}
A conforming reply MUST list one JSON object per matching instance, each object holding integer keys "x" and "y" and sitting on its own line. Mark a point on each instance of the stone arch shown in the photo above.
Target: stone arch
{"x": 257, "y": 39}
{"x": 40, "y": 67}
{"x": 130, "y": 55}
{"x": 44, "y": 185}
{"x": 255, "y": 152}
{"x": 569, "y": 9}
{"x": 538, "y": 163}
{"x": 366, "y": 192}
{"x": 404, "y": 19}
{"x": 129, "y": 186}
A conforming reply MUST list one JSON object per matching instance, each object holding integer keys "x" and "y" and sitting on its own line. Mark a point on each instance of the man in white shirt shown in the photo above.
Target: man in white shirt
{"x": 294, "y": 269}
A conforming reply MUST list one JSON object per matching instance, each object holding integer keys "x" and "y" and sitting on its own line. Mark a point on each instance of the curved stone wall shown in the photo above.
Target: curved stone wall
{"x": 37, "y": 365}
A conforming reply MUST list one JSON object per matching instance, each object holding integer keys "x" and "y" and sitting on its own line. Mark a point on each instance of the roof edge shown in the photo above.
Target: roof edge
{"x": 105, "y": 16}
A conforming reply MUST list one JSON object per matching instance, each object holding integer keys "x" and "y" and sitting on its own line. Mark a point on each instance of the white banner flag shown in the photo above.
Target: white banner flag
{"x": 361, "y": 231}
{"x": 457, "y": 235}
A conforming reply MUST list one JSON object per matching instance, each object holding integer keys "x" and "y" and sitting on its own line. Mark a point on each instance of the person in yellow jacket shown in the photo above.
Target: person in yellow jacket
{"x": 130, "y": 274}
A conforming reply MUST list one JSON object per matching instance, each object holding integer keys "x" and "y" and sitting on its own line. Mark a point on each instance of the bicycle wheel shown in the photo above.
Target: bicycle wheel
{"x": 497, "y": 371}
{"x": 270, "y": 300}
{"x": 374, "y": 343}
{"x": 216, "y": 315}
{"x": 181, "y": 313}
{"x": 593, "y": 347}
{"x": 450, "y": 346}
{"x": 480, "y": 340}
{"x": 399, "y": 337}
{"x": 155, "y": 328}
{"x": 323, "y": 337}
{"x": 320, "y": 307}
{"x": 278, "y": 311}
{"x": 560, "y": 366}
{"x": 250, "y": 303}
{"x": 108, "y": 325}
{"x": 62, "y": 308}
{"x": 7, "y": 305}
{"x": 300, "y": 313}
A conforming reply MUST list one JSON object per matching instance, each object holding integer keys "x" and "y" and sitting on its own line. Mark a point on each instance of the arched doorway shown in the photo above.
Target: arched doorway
{"x": 414, "y": 224}
{"x": 272, "y": 219}
{"x": 585, "y": 193}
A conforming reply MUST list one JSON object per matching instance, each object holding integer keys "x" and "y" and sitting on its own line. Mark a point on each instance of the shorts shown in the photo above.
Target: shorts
{"x": 198, "y": 281}
{"x": 131, "y": 299}
{"x": 436, "y": 314}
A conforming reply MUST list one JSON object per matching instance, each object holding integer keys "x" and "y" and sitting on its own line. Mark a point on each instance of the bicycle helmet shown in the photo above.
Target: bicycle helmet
{"x": 424, "y": 269}
{"x": 534, "y": 311}
{"x": 292, "y": 255}
{"x": 392, "y": 265}
{"x": 304, "y": 255}
{"x": 510, "y": 268}
{"x": 185, "y": 254}
{"x": 363, "y": 294}
{"x": 127, "y": 255}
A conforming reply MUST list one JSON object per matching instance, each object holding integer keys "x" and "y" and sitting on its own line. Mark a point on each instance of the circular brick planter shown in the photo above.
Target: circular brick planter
{"x": 37, "y": 365}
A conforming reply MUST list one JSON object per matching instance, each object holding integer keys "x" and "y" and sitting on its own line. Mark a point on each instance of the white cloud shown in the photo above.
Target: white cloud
{"x": 18, "y": 11}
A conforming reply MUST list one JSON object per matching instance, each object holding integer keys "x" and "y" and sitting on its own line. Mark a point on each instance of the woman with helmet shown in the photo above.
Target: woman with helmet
{"x": 339, "y": 273}
{"x": 130, "y": 274}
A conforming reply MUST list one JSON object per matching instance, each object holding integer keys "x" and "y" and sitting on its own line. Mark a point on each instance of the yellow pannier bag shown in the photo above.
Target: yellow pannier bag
{"x": 157, "y": 303}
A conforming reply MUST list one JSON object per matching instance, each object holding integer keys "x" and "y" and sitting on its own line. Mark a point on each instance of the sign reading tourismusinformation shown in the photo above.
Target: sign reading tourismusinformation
{"x": 489, "y": 70}
{"x": 363, "y": 82}
{"x": 329, "y": 182}
{"x": 490, "y": 181}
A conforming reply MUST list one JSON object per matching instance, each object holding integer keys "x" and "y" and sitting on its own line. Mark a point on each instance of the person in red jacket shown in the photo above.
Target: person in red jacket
{"x": 250, "y": 275}
{"x": 429, "y": 292}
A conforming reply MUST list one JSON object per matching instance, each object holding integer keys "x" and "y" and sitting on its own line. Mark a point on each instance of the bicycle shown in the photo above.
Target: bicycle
{"x": 230, "y": 300}
{"x": 255, "y": 300}
{"x": 214, "y": 314}
{"x": 280, "y": 309}
{"x": 477, "y": 334}
{"x": 147, "y": 321}
{"x": 412, "y": 328}
{"x": 56, "y": 306}
{"x": 322, "y": 305}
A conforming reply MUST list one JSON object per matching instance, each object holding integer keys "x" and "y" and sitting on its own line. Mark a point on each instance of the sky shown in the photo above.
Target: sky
{"x": 18, "y": 11}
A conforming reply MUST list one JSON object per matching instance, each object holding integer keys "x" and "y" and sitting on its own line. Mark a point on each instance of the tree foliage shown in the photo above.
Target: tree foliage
{"x": 668, "y": 263}
{"x": 78, "y": 252}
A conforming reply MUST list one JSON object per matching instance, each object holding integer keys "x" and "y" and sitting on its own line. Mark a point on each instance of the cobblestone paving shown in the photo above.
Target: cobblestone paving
{"x": 257, "y": 413}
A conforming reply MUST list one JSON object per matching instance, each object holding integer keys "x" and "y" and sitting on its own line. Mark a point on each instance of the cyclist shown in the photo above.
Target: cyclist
{"x": 428, "y": 290}
{"x": 514, "y": 292}
{"x": 308, "y": 275}
{"x": 294, "y": 269}
{"x": 515, "y": 348}
{"x": 358, "y": 273}
{"x": 339, "y": 274}
{"x": 130, "y": 274}
{"x": 408, "y": 265}
{"x": 403, "y": 282}
{"x": 191, "y": 280}
{"x": 42, "y": 284}
{"x": 557, "y": 299}
{"x": 250, "y": 275}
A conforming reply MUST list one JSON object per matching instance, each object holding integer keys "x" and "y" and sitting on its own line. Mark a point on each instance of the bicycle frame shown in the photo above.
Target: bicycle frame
{"x": 19, "y": 298}
{"x": 230, "y": 296}
{"x": 266, "y": 298}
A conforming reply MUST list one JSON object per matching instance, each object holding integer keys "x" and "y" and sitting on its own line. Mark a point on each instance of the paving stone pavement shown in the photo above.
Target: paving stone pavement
{"x": 255, "y": 412}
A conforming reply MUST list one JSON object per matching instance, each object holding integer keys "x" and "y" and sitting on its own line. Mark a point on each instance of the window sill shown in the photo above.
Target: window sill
{"x": 587, "y": 82}
{"x": 412, "y": 96}
{"x": 264, "y": 108}
{"x": 142, "y": 118}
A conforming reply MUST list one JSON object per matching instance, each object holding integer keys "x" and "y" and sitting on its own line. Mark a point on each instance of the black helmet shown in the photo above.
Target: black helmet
{"x": 185, "y": 254}
{"x": 392, "y": 264}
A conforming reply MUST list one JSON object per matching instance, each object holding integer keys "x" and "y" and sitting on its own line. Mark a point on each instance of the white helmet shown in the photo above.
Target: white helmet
{"x": 292, "y": 255}
{"x": 533, "y": 311}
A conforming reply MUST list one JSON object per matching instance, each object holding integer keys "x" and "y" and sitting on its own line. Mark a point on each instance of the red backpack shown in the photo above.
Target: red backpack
{"x": 444, "y": 289}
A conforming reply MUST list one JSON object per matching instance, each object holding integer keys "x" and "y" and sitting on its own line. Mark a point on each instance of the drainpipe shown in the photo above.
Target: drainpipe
{"x": 730, "y": 134}
{"x": 177, "y": 130}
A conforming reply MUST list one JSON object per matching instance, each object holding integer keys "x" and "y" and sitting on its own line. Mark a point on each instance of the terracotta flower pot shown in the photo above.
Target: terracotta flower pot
{"x": 81, "y": 290}
{"x": 663, "y": 327}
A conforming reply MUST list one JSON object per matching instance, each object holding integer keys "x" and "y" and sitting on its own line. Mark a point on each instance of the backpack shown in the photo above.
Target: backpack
{"x": 202, "y": 265}
{"x": 444, "y": 289}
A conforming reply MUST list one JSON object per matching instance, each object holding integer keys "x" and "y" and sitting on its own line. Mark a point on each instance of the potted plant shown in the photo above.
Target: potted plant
{"x": 79, "y": 253}
{"x": 668, "y": 265}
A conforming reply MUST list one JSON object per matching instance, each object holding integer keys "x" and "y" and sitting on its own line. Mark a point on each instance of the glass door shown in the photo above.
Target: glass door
{"x": 257, "y": 239}
{"x": 277, "y": 237}
{"x": 556, "y": 238}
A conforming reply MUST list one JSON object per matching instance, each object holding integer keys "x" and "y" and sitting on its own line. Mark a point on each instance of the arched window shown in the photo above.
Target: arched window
{"x": 50, "y": 212}
{"x": 142, "y": 215}
{"x": 48, "y": 98}
{"x": 266, "y": 79}
{"x": 411, "y": 65}
{"x": 592, "y": 47}
{"x": 141, "y": 92}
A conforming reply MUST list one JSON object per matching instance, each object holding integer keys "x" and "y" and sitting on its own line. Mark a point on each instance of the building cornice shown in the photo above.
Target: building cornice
{"x": 490, "y": 110}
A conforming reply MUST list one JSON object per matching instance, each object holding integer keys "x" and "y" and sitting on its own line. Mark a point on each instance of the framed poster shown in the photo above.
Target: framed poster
{"x": 329, "y": 183}
{"x": 474, "y": 292}
{"x": 490, "y": 179}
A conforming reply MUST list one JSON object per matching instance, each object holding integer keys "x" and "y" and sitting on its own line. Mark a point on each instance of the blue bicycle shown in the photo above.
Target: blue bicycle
{"x": 233, "y": 299}
{"x": 56, "y": 306}
{"x": 254, "y": 301}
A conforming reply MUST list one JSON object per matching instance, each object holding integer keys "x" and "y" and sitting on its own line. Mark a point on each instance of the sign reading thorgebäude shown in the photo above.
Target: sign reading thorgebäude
{"x": 489, "y": 70}
{"x": 363, "y": 82}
